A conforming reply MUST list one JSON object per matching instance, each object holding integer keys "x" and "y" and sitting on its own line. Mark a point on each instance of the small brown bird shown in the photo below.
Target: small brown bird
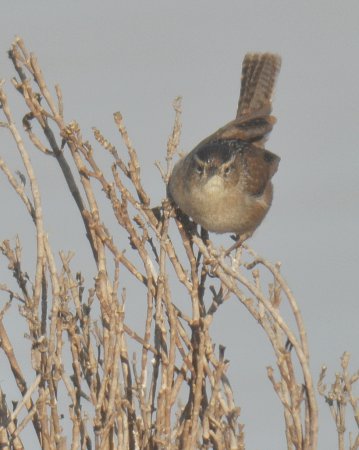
{"x": 224, "y": 183}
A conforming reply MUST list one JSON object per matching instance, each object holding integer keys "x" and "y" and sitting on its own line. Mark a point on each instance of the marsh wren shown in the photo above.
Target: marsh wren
{"x": 224, "y": 183}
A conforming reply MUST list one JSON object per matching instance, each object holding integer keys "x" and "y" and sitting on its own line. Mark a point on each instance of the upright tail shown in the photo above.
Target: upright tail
{"x": 259, "y": 75}
{"x": 253, "y": 122}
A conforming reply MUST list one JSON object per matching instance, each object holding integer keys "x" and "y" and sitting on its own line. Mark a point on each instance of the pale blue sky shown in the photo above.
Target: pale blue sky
{"x": 136, "y": 57}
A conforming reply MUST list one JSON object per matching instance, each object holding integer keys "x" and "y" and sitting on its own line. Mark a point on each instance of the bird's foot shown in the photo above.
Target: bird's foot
{"x": 239, "y": 241}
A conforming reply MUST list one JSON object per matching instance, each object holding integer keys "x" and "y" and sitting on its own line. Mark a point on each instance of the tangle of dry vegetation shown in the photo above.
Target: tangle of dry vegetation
{"x": 176, "y": 395}
{"x": 340, "y": 397}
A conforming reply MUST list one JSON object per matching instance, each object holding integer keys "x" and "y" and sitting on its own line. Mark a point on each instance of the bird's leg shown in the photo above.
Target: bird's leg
{"x": 204, "y": 235}
{"x": 239, "y": 241}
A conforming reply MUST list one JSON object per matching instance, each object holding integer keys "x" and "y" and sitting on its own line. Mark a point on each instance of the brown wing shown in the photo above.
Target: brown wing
{"x": 258, "y": 167}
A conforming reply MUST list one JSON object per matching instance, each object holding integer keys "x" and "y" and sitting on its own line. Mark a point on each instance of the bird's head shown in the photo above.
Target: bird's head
{"x": 213, "y": 166}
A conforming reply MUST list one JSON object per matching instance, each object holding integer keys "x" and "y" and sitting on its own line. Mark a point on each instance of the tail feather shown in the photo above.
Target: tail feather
{"x": 259, "y": 75}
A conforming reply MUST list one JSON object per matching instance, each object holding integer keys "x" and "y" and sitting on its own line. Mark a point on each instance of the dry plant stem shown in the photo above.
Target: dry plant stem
{"x": 75, "y": 144}
{"x": 40, "y": 258}
{"x": 194, "y": 287}
{"x": 163, "y": 293}
{"x": 230, "y": 277}
{"x": 198, "y": 391}
{"x": 32, "y": 303}
{"x": 173, "y": 141}
{"x": 133, "y": 175}
{"x": 134, "y": 166}
{"x": 348, "y": 382}
{"x": 24, "y": 61}
{"x": 338, "y": 396}
{"x": 142, "y": 209}
{"x": 18, "y": 187}
{"x": 8, "y": 428}
{"x": 284, "y": 286}
{"x": 36, "y": 197}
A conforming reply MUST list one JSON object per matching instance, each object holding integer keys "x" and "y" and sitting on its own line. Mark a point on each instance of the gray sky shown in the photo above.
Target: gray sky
{"x": 136, "y": 57}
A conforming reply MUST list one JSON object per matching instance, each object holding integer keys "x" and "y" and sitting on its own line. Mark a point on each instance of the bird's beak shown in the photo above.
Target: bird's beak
{"x": 211, "y": 170}
{"x": 214, "y": 184}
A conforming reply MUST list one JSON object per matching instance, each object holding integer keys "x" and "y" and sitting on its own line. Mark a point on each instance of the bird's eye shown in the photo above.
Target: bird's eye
{"x": 228, "y": 170}
{"x": 199, "y": 169}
